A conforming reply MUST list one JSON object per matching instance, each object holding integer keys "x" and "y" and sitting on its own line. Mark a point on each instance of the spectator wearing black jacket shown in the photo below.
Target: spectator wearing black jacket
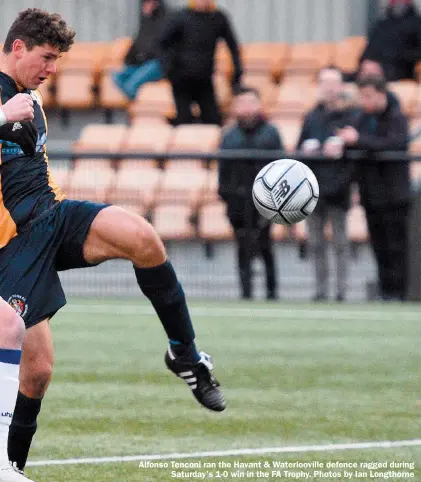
{"x": 188, "y": 45}
{"x": 236, "y": 177}
{"x": 142, "y": 59}
{"x": 318, "y": 136}
{"x": 384, "y": 185}
{"x": 395, "y": 41}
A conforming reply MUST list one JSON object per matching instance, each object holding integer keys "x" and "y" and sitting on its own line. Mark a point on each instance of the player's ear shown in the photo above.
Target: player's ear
{"x": 18, "y": 47}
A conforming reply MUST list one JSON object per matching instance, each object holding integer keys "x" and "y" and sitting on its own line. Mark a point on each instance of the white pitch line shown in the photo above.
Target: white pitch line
{"x": 229, "y": 312}
{"x": 232, "y": 453}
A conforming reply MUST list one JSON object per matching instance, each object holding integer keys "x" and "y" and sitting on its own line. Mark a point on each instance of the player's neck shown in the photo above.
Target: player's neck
{"x": 8, "y": 67}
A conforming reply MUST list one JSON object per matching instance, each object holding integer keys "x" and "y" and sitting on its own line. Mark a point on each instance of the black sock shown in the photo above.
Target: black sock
{"x": 22, "y": 429}
{"x": 161, "y": 286}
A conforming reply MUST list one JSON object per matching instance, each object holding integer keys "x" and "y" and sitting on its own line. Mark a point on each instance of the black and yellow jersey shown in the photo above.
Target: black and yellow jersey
{"x": 26, "y": 186}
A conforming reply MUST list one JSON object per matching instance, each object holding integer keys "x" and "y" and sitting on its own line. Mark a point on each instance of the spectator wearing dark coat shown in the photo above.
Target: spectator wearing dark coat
{"x": 236, "y": 178}
{"x": 384, "y": 185}
{"x": 318, "y": 136}
{"x": 395, "y": 41}
{"x": 142, "y": 59}
{"x": 188, "y": 45}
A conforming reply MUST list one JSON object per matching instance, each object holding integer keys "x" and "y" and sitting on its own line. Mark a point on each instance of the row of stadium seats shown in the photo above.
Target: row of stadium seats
{"x": 157, "y": 137}
{"x": 83, "y": 78}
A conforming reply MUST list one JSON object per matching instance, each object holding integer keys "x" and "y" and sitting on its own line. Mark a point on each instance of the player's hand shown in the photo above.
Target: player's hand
{"x": 19, "y": 108}
{"x": 23, "y": 133}
{"x": 349, "y": 135}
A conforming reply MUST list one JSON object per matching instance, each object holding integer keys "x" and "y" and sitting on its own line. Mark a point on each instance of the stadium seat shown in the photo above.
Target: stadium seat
{"x": 264, "y": 58}
{"x": 347, "y": 53}
{"x": 92, "y": 184}
{"x": 408, "y": 93}
{"x": 179, "y": 185}
{"x": 136, "y": 183}
{"x": 357, "y": 225}
{"x": 307, "y": 58}
{"x": 213, "y": 222}
{"x": 223, "y": 60}
{"x": 193, "y": 138}
{"x": 295, "y": 99}
{"x": 110, "y": 96}
{"x": 78, "y": 75}
{"x": 172, "y": 222}
{"x": 101, "y": 137}
{"x": 153, "y": 100}
{"x": 153, "y": 138}
{"x": 290, "y": 130}
{"x": 211, "y": 189}
{"x": 299, "y": 232}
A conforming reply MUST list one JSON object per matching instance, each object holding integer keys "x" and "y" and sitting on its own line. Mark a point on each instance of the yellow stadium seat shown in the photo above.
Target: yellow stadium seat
{"x": 179, "y": 185}
{"x": 153, "y": 100}
{"x": 92, "y": 184}
{"x": 153, "y": 138}
{"x": 101, "y": 137}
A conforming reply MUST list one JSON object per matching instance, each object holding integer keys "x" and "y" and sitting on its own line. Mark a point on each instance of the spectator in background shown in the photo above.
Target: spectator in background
{"x": 318, "y": 137}
{"x": 142, "y": 59}
{"x": 395, "y": 41}
{"x": 188, "y": 44}
{"x": 236, "y": 177}
{"x": 384, "y": 186}
{"x": 373, "y": 68}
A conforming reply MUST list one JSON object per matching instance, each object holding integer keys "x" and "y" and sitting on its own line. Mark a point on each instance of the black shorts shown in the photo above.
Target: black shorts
{"x": 29, "y": 263}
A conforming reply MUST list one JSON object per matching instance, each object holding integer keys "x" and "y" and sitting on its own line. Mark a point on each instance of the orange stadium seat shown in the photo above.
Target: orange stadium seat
{"x": 172, "y": 222}
{"x": 101, "y": 137}
{"x": 290, "y": 130}
{"x": 409, "y": 94}
{"x": 348, "y": 52}
{"x": 265, "y": 58}
{"x": 60, "y": 172}
{"x": 153, "y": 138}
{"x": 136, "y": 183}
{"x": 264, "y": 85}
{"x": 213, "y": 222}
{"x": 110, "y": 96}
{"x": 90, "y": 183}
{"x": 211, "y": 188}
{"x": 299, "y": 231}
{"x": 183, "y": 186}
{"x": 294, "y": 99}
{"x": 153, "y": 100}
{"x": 193, "y": 138}
{"x": 307, "y": 58}
{"x": 78, "y": 75}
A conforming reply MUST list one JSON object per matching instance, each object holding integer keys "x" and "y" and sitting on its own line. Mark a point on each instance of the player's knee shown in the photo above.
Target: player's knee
{"x": 35, "y": 382}
{"x": 12, "y": 328}
{"x": 148, "y": 249}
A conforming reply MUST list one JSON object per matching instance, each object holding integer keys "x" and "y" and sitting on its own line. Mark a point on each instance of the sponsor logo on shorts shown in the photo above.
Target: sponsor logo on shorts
{"x": 18, "y": 303}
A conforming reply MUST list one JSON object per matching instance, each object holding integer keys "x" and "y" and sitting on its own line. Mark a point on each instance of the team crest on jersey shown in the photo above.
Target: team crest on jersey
{"x": 18, "y": 303}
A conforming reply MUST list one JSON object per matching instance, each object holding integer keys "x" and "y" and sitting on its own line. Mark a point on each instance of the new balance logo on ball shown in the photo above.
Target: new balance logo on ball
{"x": 16, "y": 126}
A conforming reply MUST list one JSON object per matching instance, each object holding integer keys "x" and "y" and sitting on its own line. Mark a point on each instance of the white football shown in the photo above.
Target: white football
{"x": 285, "y": 191}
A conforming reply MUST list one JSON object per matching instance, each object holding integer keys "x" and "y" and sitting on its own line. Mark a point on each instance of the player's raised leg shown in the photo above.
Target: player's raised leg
{"x": 12, "y": 331}
{"x": 116, "y": 233}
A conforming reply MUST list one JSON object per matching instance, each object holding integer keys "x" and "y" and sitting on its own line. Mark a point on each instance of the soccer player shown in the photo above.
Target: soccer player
{"x": 15, "y": 116}
{"x": 41, "y": 233}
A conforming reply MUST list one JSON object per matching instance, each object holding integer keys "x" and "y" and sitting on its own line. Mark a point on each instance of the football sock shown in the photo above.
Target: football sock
{"x": 9, "y": 385}
{"x": 161, "y": 286}
{"x": 23, "y": 428}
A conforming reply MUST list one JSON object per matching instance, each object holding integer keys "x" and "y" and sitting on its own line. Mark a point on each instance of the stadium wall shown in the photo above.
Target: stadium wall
{"x": 255, "y": 20}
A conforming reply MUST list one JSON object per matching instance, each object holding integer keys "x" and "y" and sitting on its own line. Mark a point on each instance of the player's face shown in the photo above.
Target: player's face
{"x": 371, "y": 100}
{"x": 35, "y": 65}
{"x": 247, "y": 106}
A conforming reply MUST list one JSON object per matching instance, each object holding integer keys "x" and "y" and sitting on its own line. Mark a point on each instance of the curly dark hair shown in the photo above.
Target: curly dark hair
{"x": 37, "y": 27}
